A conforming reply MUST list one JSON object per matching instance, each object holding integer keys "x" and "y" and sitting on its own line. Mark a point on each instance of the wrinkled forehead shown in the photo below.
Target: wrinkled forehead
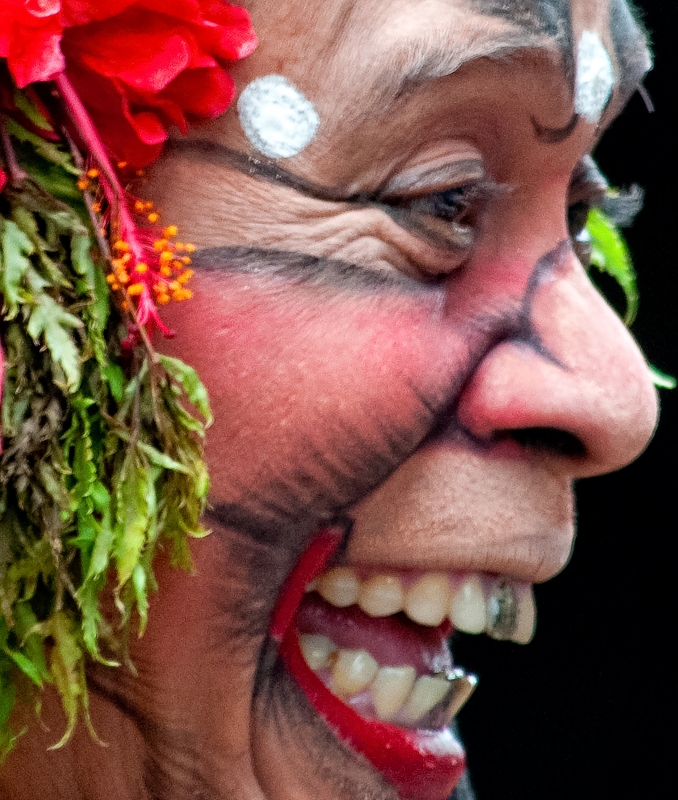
{"x": 391, "y": 45}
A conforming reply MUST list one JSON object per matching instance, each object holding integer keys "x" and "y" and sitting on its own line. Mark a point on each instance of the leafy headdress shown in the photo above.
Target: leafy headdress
{"x": 101, "y": 458}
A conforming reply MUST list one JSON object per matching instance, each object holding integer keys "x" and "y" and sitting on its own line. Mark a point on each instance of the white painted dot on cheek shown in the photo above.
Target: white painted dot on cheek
{"x": 595, "y": 77}
{"x": 276, "y": 117}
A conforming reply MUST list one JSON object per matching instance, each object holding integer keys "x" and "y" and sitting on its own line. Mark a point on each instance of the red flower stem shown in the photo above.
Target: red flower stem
{"x": 110, "y": 183}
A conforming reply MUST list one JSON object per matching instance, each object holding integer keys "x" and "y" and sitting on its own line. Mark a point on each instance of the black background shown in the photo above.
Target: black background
{"x": 588, "y": 710}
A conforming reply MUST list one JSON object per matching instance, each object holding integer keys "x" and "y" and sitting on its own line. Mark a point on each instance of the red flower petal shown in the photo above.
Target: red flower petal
{"x": 35, "y": 55}
{"x": 82, "y": 12}
{"x": 163, "y": 65}
{"x": 42, "y": 8}
{"x": 168, "y": 110}
{"x": 236, "y": 37}
{"x": 148, "y": 127}
{"x": 202, "y": 93}
{"x": 147, "y": 60}
{"x": 139, "y": 66}
{"x": 186, "y": 10}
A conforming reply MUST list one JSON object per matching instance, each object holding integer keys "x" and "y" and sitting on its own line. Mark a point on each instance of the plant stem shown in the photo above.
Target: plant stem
{"x": 79, "y": 162}
{"x": 110, "y": 183}
{"x": 16, "y": 174}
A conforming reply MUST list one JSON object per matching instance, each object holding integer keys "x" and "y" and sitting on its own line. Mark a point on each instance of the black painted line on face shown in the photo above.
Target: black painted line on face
{"x": 555, "y": 135}
{"x": 518, "y": 328}
{"x": 269, "y": 172}
{"x": 275, "y": 512}
{"x": 264, "y": 170}
{"x": 302, "y": 269}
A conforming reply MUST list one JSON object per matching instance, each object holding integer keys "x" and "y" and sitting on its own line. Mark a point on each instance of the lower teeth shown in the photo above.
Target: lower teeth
{"x": 390, "y": 694}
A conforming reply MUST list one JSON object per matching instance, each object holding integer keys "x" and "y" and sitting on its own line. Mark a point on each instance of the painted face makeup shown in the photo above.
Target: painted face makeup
{"x": 434, "y": 404}
{"x": 276, "y": 117}
{"x": 595, "y": 77}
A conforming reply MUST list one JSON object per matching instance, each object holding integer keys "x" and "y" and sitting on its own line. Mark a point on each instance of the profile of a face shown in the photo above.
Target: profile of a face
{"x": 403, "y": 351}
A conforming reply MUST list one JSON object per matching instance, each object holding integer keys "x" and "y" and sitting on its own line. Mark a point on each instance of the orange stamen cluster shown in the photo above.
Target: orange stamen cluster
{"x": 172, "y": 267}
{"x": 167, "y": 273}
{"x": 158, "y": 271}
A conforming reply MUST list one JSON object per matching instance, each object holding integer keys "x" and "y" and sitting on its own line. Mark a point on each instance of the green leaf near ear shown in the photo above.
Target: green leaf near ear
{"x": 611, "y": 255}
{"x": 102, "y": 451}
{"x": 15, "y": 249}
{"x": 49, "y": 321}
{"x": 661, "y": 380}
{"x": 68, "y": 669}
{"x": 135, "y": 508}
{"x": 188, "y": 378}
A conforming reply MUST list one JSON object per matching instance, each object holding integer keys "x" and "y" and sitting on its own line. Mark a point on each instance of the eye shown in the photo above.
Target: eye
{"x": 448, "y": 218}
{"x": 451, "y": 205}
{"x": 577, "y": 216}
{"x": 587, "y": 189}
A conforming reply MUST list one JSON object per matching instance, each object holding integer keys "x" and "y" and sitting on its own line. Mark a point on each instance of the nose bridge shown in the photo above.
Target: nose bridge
{"x": 579, "y": 371}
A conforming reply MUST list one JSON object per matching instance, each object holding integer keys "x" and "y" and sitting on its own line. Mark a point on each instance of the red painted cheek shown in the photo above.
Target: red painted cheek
{"x": 299, "y": 371}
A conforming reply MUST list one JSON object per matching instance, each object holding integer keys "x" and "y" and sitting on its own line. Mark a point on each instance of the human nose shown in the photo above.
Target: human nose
{"x": 579, "y": 380}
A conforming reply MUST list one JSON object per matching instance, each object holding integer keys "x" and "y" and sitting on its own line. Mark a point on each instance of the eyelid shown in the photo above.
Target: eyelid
{"x": 437, "y": 178}
{"x": 588, "y": 184}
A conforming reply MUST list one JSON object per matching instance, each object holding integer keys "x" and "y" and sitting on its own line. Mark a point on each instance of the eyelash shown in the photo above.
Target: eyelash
{"x": 577, "y": 217}
{"x": 620, "y": 207}
{"x": 451, "y": 205}
{"x": 460, "y": 206}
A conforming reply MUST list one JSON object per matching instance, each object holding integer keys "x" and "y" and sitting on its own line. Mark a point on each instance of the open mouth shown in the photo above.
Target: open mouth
{"x": 370, "y": 649}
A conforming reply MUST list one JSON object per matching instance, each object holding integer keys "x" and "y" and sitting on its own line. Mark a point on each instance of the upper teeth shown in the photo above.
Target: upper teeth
{"x": 502, "y": 608}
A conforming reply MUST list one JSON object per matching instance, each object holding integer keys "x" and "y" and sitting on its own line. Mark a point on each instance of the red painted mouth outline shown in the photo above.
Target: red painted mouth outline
{"x": 420, "y": 765}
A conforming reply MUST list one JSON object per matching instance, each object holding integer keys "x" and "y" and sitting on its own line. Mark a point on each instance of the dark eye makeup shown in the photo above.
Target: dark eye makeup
{"x": 448, "y": 218}
{"x": 589, "y": 189}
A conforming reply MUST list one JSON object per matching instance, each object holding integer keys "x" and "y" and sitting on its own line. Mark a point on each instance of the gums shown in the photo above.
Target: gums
{"x": 420, "y": 765}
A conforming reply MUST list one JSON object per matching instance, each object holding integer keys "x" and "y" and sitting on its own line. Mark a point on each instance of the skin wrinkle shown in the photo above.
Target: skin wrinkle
{"x": 533, "y": 20}
{"x": 424, "y": 63}
{"x": 554, "y": 18}
{"x": 173, "y": 768}
{"x": 204, "y": 149}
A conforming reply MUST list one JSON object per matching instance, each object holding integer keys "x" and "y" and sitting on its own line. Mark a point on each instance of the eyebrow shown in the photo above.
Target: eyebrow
{"x": 534, "y": 24}
{"x": 418, "y": 61}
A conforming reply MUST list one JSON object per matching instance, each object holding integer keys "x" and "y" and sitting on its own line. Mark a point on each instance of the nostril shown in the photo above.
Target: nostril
{"x": 546, "y": 440}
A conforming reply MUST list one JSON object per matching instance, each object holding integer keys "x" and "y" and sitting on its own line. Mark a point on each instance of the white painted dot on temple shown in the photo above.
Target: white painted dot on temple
{"x": 595, "y": 77}
{"x": 277, "y": 118}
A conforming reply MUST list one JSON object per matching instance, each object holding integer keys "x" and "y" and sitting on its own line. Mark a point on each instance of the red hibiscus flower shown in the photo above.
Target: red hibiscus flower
{"x": 139, "y": 66}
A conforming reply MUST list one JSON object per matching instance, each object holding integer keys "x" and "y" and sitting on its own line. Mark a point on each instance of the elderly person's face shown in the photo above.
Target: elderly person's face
{"x": 398, "y": 338}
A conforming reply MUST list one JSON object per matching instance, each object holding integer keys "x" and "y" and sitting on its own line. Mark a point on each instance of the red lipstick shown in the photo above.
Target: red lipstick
{"x": 419, "y": 764}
